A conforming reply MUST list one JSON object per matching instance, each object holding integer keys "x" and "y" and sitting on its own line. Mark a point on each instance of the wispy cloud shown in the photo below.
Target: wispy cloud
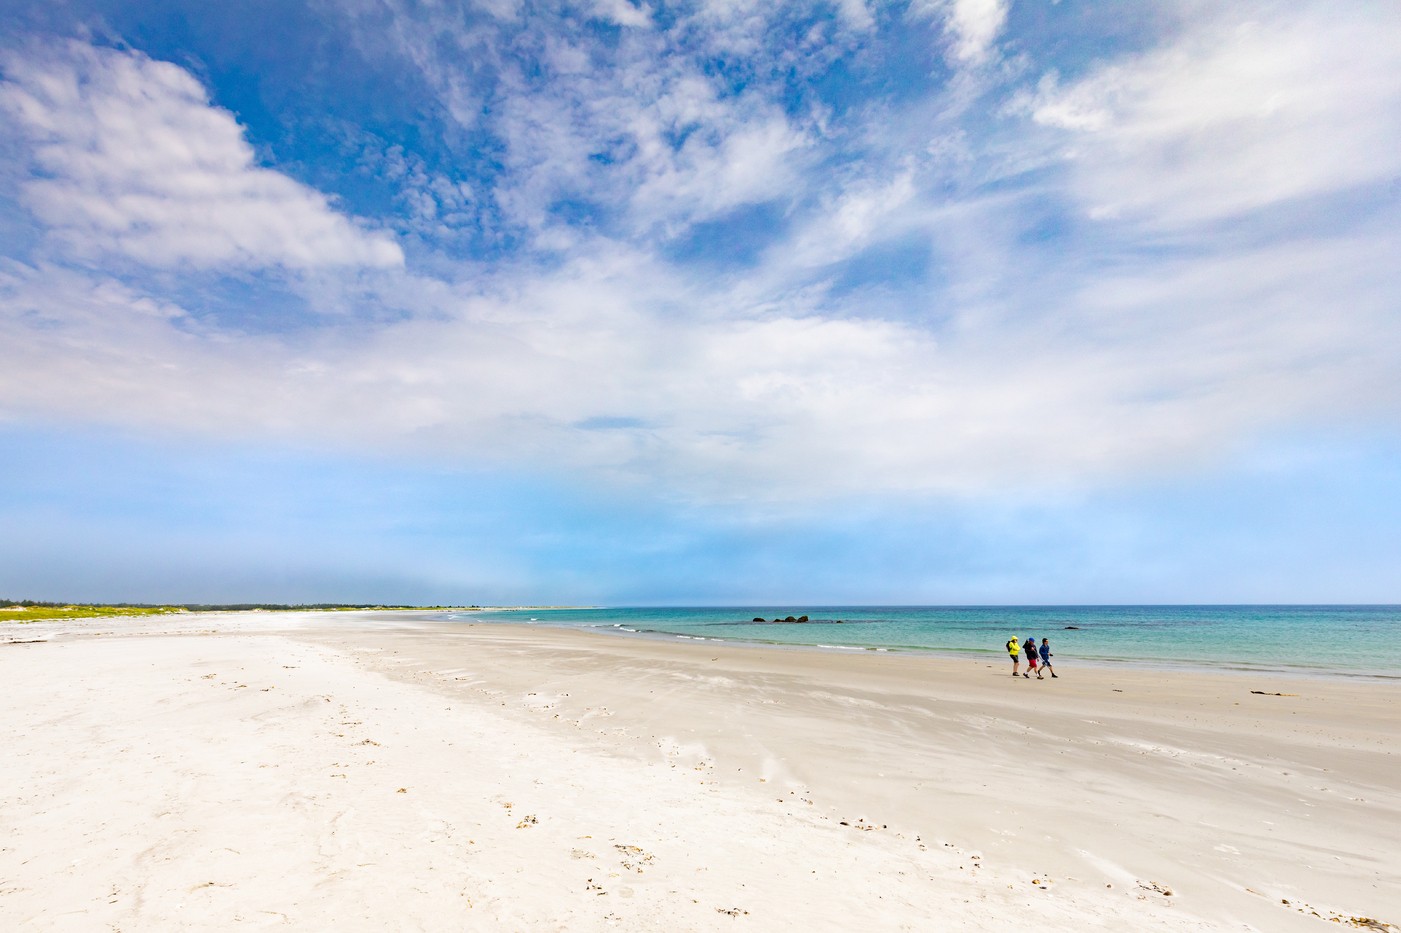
{"x": 1049, "y": 333}
{"x": 646, "y": 132}
{"x": 1237, "y": 115}
{"x": 971, "y": 27}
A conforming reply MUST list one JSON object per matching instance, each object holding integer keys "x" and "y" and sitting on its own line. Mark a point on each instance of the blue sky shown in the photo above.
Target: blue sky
{"x": 952, "y": 301}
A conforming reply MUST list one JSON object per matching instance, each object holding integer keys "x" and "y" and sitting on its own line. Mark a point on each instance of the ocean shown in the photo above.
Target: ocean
{"x": 1349, "y": 640}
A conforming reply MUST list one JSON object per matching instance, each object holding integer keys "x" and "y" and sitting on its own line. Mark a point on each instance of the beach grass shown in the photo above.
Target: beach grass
{"x": 48, "y": 613}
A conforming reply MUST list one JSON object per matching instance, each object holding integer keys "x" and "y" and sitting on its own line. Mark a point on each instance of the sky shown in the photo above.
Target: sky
{"x": 719, "y": 302}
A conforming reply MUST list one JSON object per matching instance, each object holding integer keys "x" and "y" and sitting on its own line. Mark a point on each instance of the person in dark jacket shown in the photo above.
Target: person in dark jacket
{"x": 1045, "y": 653}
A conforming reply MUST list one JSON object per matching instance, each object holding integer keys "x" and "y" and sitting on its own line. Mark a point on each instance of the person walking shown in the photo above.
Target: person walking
{"x": 1045, "y": 652}
{"x": 1030, "y": 649}
{"x": 1015, "y": 651}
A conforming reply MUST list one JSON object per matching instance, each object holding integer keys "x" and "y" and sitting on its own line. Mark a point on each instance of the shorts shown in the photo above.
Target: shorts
{"x": 1031, "y": 662}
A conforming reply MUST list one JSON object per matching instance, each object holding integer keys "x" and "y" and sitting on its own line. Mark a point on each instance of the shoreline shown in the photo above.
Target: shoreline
{"x": 469, "y": 615}
{"x": 258, "y": 619}
{"x": 260, "y": 760}
{"x": 1179, "y": 665}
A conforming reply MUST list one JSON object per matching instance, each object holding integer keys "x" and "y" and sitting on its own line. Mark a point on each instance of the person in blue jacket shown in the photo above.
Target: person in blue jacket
{"x": 1045, "y": 652}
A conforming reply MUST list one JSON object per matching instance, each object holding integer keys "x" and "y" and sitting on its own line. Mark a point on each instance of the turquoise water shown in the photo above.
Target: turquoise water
{"x": 1353, "y": 640}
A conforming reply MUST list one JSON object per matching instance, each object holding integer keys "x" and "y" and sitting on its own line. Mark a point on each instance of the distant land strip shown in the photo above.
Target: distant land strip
{"x": 29, "y": 610}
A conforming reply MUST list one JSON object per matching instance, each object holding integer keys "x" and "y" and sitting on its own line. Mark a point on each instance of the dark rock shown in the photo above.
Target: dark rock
{"x": 790, "y": 619}
{"x": 1072, "y": 628}
{"x": 802, "y": 618}
{"x": 758, "y": 618}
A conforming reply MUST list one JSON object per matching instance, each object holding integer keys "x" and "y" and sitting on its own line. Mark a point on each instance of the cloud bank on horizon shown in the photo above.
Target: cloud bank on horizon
{"x": 754, "y": 257}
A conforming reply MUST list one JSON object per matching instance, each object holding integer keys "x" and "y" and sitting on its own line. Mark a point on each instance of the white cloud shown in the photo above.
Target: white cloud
{"x": 1236, "y": 115}
{"x": 584, "y": 371}
{"x": 857, "y": 14}
{"x": 623, "y": 13}
{"x": 444, "y": 41}
{"x": 1006, "y": 369}
{"x": 133, "y": 160}
{"x": 864, "y": 211}
{"x": 751, "y": 163}
{"x": 643, "y": 132}
{"x": 643, "y": 126}
{"x": 972, "y": 26}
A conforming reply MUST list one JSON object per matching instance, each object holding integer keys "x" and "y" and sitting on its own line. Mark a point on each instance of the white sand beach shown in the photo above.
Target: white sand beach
{"x": 373, "y": 771}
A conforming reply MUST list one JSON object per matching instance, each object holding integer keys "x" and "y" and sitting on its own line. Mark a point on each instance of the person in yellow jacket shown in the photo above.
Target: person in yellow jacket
{"x": 1015, "y": 650}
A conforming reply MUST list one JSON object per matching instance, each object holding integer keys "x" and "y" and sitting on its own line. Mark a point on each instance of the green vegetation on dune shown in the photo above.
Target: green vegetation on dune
{"x": 48, "y": 613}
{"x": 28, "y": 610}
